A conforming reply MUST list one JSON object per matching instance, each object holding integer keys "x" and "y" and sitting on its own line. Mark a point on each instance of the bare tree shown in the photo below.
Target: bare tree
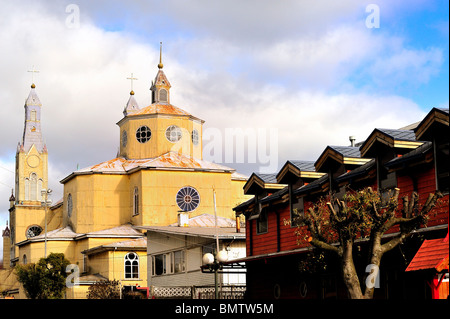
{"x": 335, "y": 224}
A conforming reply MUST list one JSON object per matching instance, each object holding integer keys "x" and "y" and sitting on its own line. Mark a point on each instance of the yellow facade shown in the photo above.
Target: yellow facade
{"x": 143, "y": 186}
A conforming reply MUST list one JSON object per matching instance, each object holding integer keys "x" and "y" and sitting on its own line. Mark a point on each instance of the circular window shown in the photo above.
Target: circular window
{"x": 195, "y": 137}
{"x": 124, "y": 138}
{"x": 188, "y": 199}
{"x": 33, "y": 231}
{"x": 143, "y": 134}
{"x": 173, "y": 133}
{"x": 69, "y": 205}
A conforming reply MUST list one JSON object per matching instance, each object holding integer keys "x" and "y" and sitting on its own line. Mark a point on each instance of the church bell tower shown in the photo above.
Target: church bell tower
{"x": 31, "y": 155}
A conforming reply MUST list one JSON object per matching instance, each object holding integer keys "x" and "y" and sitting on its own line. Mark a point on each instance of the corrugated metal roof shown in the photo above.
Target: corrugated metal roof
{"x": 202, "y": 226}
{"x": 160, "y": 109}
{"x": 134, "y": 244}
{"x": 206, "y": 232}
{"x": 66, "y": 233}
{"x": 123, "y": 230}
{"x": 208, "y": 220}
{"x": 169, "y": 160}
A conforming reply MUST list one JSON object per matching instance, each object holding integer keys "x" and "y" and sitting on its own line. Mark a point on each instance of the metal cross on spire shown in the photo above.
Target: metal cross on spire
{"x": 131, "y": 79}
{"x": 32, "y": 71}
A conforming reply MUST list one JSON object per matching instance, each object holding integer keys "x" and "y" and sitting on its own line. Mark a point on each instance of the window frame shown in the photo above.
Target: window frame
{"x": 170, "y": 133}
{"x": 135, "y": 201}
{"x": 134, "y": 266}
{"x": 262, "y": 223}
{"x": 168, "y": 263}
{"x": 148, "y": 134}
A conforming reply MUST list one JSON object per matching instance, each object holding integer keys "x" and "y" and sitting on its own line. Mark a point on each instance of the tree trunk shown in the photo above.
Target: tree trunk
{"x": 350, "y": 275}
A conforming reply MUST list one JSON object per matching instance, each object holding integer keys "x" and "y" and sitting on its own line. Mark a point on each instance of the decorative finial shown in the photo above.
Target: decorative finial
{"x": 131, "y": 79}
{"x": 160, "y": 65}
{"x": 32, "y": 71}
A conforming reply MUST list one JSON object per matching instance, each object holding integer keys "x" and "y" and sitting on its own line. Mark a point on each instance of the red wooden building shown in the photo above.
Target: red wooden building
{"x": 410, "y": 159}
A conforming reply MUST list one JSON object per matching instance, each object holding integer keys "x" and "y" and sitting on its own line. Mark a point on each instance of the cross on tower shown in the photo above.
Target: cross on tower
{"x": 131, "y": 79}
{"x": 32, "y": 71}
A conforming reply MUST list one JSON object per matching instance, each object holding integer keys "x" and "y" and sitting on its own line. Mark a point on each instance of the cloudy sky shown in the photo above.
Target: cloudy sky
{"x": 306, "y": 73}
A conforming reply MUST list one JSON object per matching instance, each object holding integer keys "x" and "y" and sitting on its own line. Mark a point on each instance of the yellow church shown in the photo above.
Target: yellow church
{"x": 159, "y": 175}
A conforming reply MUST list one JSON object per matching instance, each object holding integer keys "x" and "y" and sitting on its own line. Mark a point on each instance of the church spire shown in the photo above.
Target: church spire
{"x": 161, "y": 86}
{"x": 32, "y": 134}
{"x": 131, "y": 105}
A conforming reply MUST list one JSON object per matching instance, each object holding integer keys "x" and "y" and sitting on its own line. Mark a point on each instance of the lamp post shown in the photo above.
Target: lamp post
{"x": 45, "y": 201}
{"x": 215, "y": 263}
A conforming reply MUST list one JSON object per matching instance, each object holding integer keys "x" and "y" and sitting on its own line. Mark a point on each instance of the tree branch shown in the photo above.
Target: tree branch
{"x": 325, "y": 246}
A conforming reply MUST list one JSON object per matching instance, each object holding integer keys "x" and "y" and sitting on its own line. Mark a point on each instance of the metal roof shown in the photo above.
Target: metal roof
{"x": 160, "y": 109}
{"x": 201, "y": 226}
{"x": 169, "y": 161}
{"x": 205, "y": 232}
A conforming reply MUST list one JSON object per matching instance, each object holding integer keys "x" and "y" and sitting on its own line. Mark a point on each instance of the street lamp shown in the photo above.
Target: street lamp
{"x": 45, "y": 201}
{"x": 215, "y": 263}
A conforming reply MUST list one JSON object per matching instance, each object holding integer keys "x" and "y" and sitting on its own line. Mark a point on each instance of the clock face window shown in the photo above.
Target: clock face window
{"x": 173, "y": 133}
{"x": 33, "y": 231}
{"x": 143, "y": 134}
{"x": 188, "y": 199}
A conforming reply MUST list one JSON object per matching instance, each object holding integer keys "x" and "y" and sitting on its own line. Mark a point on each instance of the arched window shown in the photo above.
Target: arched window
{"x": 24, "y": 259}
{"x": 163, "y": 95}
{"x": 131, "y": 266}
{"x": 33, "y": 115}
{"x": 27, "y": 189}
{"x": 136, "y": 201}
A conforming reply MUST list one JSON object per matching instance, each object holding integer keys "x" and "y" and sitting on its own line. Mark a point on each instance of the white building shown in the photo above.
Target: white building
{"x": 175, "y": 253}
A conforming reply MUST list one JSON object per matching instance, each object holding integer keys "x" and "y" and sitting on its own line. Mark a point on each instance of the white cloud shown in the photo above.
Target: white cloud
{"x": 229, "y": 65}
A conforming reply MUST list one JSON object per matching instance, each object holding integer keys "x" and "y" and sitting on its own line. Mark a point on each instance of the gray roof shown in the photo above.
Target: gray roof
{"x": 311, "y": 186}
{"x": 414, "y": 154}
{"x": 402, "y": 135}
{"x": 66, "y": 233}
{"x": 205, "y": 232}
{"x": 267, "y": 178}
{"x": 360, "y": 170}
{"x": 32, "y": 134}
{"x": 306, "y": 166}
{"x": 347, "y": 151}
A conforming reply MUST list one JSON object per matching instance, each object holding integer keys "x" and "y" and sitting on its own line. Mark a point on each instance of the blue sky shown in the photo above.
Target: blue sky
{"x": 312, "y": 71}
